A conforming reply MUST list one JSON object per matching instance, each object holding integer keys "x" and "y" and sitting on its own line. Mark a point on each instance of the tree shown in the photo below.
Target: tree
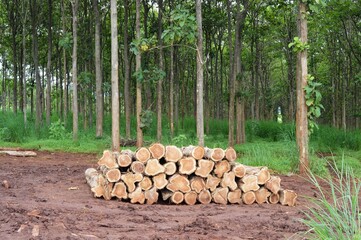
{"x": 48, "y": 66}
{"x": 24, "y": 13}
{"x": 75, "y": 69}
{"x": 200, "y": 117}
{"x": 115, "y": 69}
{"x": 161, "y": 67}
{"x": 301, "y": 80}
{"x": 138, "y": 70}
{"x": 127, "y": 99}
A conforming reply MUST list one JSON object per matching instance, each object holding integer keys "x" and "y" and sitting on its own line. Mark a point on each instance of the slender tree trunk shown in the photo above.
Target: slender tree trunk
{"x": 48, "y": 67}
{"x": 75, "y": 69}
{"x": 98, "y": 74}
{"x": 127, "y": 98}
{"x": 65, "y": 106}
{"x": 24, "y": 12}
{"x": 161, "y": 67}
{"x": 138, "y": 68}
{"x": 200, "y": 117}
{"x": 171, "y": 92}
{"x": 114, "y": 77}
{"x": 301, "y": 76}
{"x": 3, "y": 95}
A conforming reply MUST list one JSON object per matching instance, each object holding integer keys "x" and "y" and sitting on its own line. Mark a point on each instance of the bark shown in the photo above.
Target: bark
{"x": 127, "y": 99}
{"x": 65, "y": 106}
{"x": 138, "y": 68}
{"x": 161, "y": 67}
{"x": 75, "y": 69}
{"x": 171, "y": 93}
{"x": 25, "y": 13}
{"x": 48, "y": 66}
{"x": 200, "y": 117}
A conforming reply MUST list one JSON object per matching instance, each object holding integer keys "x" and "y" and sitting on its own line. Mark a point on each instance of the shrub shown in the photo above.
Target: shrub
{"x": 57, "y": 131}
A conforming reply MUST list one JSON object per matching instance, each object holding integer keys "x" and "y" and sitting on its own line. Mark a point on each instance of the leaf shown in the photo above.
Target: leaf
{"x": 309, "y": 102}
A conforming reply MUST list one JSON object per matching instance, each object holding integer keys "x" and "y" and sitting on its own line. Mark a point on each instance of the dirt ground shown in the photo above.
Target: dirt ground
{"x": 48, "y": 196}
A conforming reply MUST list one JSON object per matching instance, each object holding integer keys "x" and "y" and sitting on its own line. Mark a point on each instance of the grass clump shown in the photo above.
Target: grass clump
{"x": 336, "y": 213}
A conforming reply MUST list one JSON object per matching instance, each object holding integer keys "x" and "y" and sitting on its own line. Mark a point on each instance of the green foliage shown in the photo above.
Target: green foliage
{"x": 153, "y": 74}
{"x": 57, "y": 131}
{"x": 313, "y": 101}
{"x": 339, "y": 217}
{"x": 12, "y": 128}
{"x": 66, "y": 41}
{"x": 142, "y": 45}
{"x": 298, "y": 46}
{"x": 146, "y": 120}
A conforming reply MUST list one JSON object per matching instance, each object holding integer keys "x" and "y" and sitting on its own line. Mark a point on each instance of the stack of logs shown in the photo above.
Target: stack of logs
{"x": 184, "y": 175}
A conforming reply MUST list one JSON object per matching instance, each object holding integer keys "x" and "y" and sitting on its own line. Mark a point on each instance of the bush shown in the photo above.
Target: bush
{"x": 57, "y": 131}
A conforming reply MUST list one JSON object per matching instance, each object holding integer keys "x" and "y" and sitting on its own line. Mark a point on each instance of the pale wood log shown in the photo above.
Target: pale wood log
{"x": 262, "y": 173}
{"x": 216, "y": 154}
{"x": 197, "y": 184}
{"x": 220, "y": 195}
{"x": 137, "y": 196}
{"x": 170, "y": 168}
{"x": 108, "y": 160}
{"x": 239, "y": 170}
{"x": 248, "y": 197}
{"x": 173, "y": 154}
{"x": 166, "y": 194}
{"x": 190, "y": 198}
{"x": 212, "y": 182}
{"x": 151, "y": 195}
{"x": 130, "y": 179}
{"x": 274, "y": 198}
{"x": 137, "y": 167}
{"x": 187, "y": 165}
{"x": 177, "y": 197}
{"x": 221, "y": 168}
{"x": 160, "y": 181}
{"x": 230, "y": 154}
{"x": 229, "y": 180}
{"x": 112, "y": 175}
{"x": 98, "y": 184}
{"x": 235, "y": 196}
{"x": 142, "y": 154}
{"x": 288, "y": 197}
{"x": 273, "y": 184}
{"x": 125, "y": 158}
{"x": 262, "y": 195}
{"x": 157, "y": 150}
{"x": 146, "y": 183}
{"x": 153, "y": 167}
{"x": 248, "y": 183}
{"x": 204, "y": 168}
{"x": 120, "y": 191}
{"x": 204, "y": 197}
{"x": 179, "y": 183}
{"x": 197, "y": 152}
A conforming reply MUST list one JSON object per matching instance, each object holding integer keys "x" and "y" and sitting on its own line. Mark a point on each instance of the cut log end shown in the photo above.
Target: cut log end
{"x": 120, "y": 191}
{"x": 197, "y": 152}
{"x": 204, "y": 197}
{"x": 142, "y": 155}
{"x": 157, "y": 150}
{"x": 220, "y": 195}
{"x": 173, "y": 154}
{"x": 137, "y": 167}
{"x": 273, "y": 184}
{"x": 153, "y": 167}
{"x": 288, "y": 197}
{"x": 177, "y": 197}
{"x": 190, "y": 198}
{"x": 231, "y": 154}
{"x": 204, "y": 168}
{"x": 235, "y": 196}
{"x": 221, "y": 168}
{"x": 187, "y": 165}
{"x": 108, "y": 160}
{"x": 248, "y": 198}
{"x": 151, "y": 196}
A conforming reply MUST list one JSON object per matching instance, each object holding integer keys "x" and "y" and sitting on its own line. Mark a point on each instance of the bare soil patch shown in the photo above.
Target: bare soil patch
{"x": 48, "y": 198}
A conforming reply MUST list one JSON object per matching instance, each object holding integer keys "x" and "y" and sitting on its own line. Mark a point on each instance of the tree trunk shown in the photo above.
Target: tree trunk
{"x": 301, "y": 76}
{"x": 65, "y": 79}
{"x": 25, "y": 13}
{"x": 75, "y": 69}
{"x": 171, "y": 93}
{"x": 161, "y": 67}
{"x": 48, "y": 66}
{"x": 200, "y": 117}
{"x": 138, "y": 69}
{"x": 98, "y": 74}
{"x": 127, "y": 99}
{"x": 115, "y": 79}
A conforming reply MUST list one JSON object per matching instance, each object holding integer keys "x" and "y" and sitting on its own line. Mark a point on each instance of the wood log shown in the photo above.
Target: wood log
{"x": 190, "y": 198}
{"x": 274, "y": 198}
{"x": 173, "y": 154}
{"x": 273, "y": 184}
{"x": 179, "y": 183}
{"x": 196, "y": 152}
{"x": 157, "y": 150}
{"x": 197, "y": 184}
{"x": 146, "y": 183}
{"x": 170, "y": 168}
{"x": 160, "y": 181}
{"x": 230, "y": 154}
{"x": 248, "y": 197}
{"x": 220, "y": 196}
{"x": 125, "y": 158}
{"x": 262, "y": 173}
{"x": 130, "y": 179}
{"x": 108, "y": 160}
{"x": 151, "y": 195}
{"x": 235, "y": 196}
{"x": 187, "y": 165}
{"x": 137, "y": 167}
{"x": 204, "y": 168}
{"x": 216, "y": 154}
{"x": 204, "y": 197}
{"x": 98, "y": 184}
{"x": 112, "y": 175}
{"x": 248, "y": 183}
{"x": 137, "y": 196}
{"x": 229, "y": 180}
{"x": 142, "y": 155}
{"x": 287, "y": 197}
{"x": 177, "y": 197}
{"x": 120, "y": 191}
{"x": 166, "y": 194}
{"x": 212, "y": 182}
{"x": 221, "y": 168}
{"x": 239, "y": 170}
{"x": 262, "y": 195}
{"x": 153, "y": 167}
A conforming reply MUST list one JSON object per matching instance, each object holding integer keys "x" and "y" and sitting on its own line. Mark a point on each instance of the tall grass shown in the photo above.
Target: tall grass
{"x": 336, "y": 213}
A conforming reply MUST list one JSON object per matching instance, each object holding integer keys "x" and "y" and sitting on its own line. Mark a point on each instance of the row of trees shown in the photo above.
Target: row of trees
{"x": 172, "y": 56}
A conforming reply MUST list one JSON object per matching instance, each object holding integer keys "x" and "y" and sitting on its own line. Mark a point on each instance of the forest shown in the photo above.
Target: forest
{"x": 97, "y": 70}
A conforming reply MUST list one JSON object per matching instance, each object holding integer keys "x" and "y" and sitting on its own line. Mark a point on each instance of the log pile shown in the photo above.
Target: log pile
{"x": 187, "y": 175}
